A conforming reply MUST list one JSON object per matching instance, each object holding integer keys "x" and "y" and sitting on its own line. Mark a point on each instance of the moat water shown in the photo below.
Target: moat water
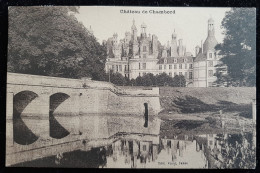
{"x": 151, "y": 150}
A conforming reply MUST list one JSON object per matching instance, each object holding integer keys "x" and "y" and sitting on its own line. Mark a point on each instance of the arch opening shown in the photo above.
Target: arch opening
{"x": 56, "y": 129}
{"x": 21, "y": 133}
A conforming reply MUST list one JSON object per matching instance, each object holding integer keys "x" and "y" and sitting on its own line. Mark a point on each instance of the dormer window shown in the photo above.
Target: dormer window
{"x": 165, "y": 61}
{"x": 175, "y": 60}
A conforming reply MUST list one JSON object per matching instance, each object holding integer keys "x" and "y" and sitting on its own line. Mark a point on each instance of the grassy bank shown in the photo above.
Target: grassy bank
{"x": 201, "y": 100}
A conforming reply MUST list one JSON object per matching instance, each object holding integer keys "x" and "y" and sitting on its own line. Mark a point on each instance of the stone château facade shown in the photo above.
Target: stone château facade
{"x": 136, "y": 56}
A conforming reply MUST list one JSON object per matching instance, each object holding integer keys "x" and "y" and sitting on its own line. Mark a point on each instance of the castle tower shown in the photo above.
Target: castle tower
{"x": 180, "y": 50}
{"x": 134, "y": 38}
{"x": 115, "y": 38}
{"x": 143, "y": 30}
{"x": 211, "y": 41}
{"x": 134, "y": 31}
{"x": 155, "y": 45}
{"x": 174, "y": 52}
{"x": 164, "y": 53}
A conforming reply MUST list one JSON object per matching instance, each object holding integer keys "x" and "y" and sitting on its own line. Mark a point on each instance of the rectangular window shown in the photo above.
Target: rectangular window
{"x": 170, "y": 66}
{"x": 210, "y": 73}
{"x": 116, "y": 67}
{"x": 113, "y": 67}
{"x": 185, "y": 66}
{"x": 144, "y": 66}
{"x": 186, "y": 75}
{"x": 190, "y": 66}
{"x": 170, "y": 74}
{"x": 125, "y": 67}
{"x": 144, "y": 49}
{"x": 180, "y": 66}
{"x": 144, "y": 147}
{"x": 180, "y": 73}
{"x": 210, "y": 55}
{"x": 175, "y": 66}
{"x": 175, "y": 74}
{"x": 210, "y": 63}
{"x": 164, "y": 67}
{"x": 160, "y": 67}
{"x": 120, "y": 67}
{"x": 139, "y": 66}
{"x": 128, "y": 67}
{"x": 190, "y": 75}
{"x": 175, "y": 60}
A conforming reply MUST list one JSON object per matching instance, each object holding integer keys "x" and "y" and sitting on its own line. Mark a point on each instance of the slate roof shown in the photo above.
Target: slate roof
{"x": 200, "y": 57}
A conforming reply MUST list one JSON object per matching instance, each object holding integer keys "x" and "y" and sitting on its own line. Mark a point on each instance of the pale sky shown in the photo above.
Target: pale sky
{"x": 190, "y": 23}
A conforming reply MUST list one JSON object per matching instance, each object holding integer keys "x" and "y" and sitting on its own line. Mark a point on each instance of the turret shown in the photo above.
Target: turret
{"x": 174, "y": 52}
{"x": 134, "y": 31}
{"x": 143, "y": 30}
{"x": 211, "y": 41}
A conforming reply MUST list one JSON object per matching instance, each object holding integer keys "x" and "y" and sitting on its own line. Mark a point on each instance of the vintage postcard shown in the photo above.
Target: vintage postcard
{"x": 131, "y": 87}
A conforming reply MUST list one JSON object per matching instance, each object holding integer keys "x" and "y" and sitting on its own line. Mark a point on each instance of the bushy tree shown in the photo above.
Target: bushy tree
{"x": 164, "y": 80}
{"x": 179, "y": 81}
{"x": 48, "y": 40}
{"x": 239, "y": 46}
{"x": 117, "y": 79}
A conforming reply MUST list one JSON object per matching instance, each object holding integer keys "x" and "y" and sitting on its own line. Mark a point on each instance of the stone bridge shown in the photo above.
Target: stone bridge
{"x": 48, "y": 115}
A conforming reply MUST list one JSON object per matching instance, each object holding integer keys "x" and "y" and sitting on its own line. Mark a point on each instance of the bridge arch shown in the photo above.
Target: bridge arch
{"x": 56, "y": 129}
{"x": 22, "y": 134}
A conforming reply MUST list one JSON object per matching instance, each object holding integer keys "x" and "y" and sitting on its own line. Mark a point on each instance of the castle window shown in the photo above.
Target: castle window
{"x": 164, "y": 67}
{"x": 170, "y": 66}
{"x": 175, "y": 66}
{"x": 210, "y": 63}
{"x": 186, "y": 75}
{"x": 185, "y": 66}
{"x": 144, "y": 66}
{"x": 160, "y": 67}
{"x": 144, "y": 49}
{"x": 165, "y": 61}
{"x": 210, "y": 73}
{"x": 190, "y": 75}
{"x": 120, "y": 67}
{"x": 116, "y": 67}
{"x": 128, "y": 67}
{"x": 125, "y": 67}
{"x": 175, "y": 60}
{"x": 190, "y": 66}
{"x": 175, "y": 74}
{"x": 144, "y": 147}
{"x": 210, "y": 55}
{"x": 180, "y": 66}
{"x": 113, "y": 67}
{"x": 139, "y": 66}
{"x": 170, "y": 74}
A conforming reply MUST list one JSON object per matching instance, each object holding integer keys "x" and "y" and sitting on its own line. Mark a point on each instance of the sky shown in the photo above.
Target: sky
{"x": 189, "y": 23}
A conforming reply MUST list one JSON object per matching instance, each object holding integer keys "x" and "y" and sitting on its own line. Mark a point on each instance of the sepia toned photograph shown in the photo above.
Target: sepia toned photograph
{"x": 131, "y": 87}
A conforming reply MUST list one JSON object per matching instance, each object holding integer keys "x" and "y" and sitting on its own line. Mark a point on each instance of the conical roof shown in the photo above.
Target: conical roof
{"x": 210, "y": 43}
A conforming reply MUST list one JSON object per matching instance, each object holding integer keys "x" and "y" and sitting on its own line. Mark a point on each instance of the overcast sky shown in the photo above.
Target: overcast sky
{"x": 190, "y": 23}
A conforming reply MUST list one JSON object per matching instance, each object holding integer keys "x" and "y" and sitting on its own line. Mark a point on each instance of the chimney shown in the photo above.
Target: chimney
{"x": 201, "y": 46}
{"x": 180, "y": 48}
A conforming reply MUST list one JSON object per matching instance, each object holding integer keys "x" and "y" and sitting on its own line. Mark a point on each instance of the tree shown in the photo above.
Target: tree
{"x": 117, "y": 79}
{"x": 239, "y": 46}
{"x": 163, "y": 80}
{"x": 179, "y": 81}
{"x": 50, "y": 41}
